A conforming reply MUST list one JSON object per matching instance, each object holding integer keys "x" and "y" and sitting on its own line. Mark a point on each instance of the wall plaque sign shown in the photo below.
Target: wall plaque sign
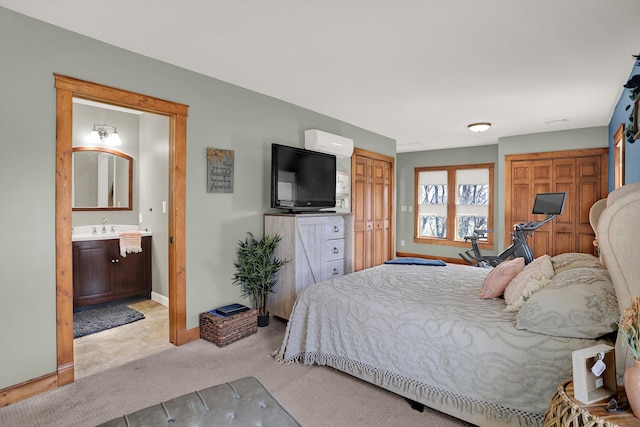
{"x": 219, "y": 170}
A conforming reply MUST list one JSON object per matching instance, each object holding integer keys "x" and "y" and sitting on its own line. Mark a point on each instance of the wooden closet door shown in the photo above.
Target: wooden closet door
{"x": 590, "y": 177}
{"x": 582, "y": 174}
{"x": 381, "y": 215}
{"x": 562, "y": 228}
{"x": 362, "y": 205}
{"x": 372, "y": 203}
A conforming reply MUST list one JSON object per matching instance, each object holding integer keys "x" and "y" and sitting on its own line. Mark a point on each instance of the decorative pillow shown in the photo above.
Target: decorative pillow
{"x": 497, "y": 280}
{"x": 535, "y": 276}
{"x": 578, "y": 303}
{"x": 564, "y": 262}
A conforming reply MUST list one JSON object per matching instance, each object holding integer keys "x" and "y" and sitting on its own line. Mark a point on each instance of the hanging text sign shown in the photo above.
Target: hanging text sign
{"x": 219, "y": 170}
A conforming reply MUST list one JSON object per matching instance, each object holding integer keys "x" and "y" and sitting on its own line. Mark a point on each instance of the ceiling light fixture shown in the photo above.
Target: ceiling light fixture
{"x": 479, "y": 127}
{"x": 100, "y": 134}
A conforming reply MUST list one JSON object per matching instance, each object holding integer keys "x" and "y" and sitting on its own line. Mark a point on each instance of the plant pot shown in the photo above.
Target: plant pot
{"x": 263, "y": 320}
{"x": 632, "y": 386}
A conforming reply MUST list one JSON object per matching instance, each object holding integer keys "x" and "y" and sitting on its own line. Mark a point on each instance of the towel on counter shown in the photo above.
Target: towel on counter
{"x": 130, "y": 241}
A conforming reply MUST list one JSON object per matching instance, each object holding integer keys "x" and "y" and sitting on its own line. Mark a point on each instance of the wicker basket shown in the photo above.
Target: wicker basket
{"x": 224, "y": 330}
{"x": 564, "y": 411}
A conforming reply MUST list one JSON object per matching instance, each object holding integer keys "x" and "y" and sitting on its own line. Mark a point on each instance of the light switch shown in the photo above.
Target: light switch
{"x": 164, "y": 206}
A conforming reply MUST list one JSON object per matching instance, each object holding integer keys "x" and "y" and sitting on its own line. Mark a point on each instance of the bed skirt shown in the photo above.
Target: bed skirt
{"x": 470, "y": 410}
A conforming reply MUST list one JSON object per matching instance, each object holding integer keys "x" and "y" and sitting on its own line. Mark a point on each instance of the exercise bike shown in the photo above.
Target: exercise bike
{"x": 551, "y": 204}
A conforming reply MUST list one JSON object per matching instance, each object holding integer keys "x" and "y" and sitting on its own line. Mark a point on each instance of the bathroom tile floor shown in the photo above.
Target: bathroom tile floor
{"x": 117, "y": 346}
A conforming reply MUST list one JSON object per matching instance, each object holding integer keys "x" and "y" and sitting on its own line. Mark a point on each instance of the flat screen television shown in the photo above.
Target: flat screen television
{"x": 302, "y": 180}
{"x": 549, "y": 203}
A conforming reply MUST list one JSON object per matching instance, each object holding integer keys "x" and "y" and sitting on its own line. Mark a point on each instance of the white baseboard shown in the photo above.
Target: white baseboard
{"x": 160, "y": 299}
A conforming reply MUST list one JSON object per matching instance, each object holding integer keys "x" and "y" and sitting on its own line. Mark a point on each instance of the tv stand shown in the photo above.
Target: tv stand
{"x": 318, "y": 245}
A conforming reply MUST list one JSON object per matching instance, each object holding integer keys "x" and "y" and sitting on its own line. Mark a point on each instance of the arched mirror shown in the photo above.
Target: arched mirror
{"x": 101, "y": 179}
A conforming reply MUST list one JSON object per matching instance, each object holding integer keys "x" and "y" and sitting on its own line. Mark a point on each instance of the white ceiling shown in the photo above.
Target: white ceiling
{"x": 417, "y": 71}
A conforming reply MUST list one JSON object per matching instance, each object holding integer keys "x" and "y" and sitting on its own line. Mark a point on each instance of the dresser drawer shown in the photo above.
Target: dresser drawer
{"x": 334, "y": 228}
{"x": 334, "y": 249}
{"x": 333, "y": 269}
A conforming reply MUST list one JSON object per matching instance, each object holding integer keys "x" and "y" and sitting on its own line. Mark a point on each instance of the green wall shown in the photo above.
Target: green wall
{"x": 221, "y": 115}
{"x": 595, "y": 137}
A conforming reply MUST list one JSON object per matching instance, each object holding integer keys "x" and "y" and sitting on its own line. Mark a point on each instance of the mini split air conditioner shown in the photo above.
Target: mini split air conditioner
{"x": 329, "y": 143}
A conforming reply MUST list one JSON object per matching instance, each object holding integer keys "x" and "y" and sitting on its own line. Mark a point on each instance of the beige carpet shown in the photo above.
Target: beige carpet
{"x": 315, "y": 396}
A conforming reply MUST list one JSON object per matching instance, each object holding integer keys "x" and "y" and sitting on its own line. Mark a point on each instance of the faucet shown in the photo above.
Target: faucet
{"x": 104, "y": 225}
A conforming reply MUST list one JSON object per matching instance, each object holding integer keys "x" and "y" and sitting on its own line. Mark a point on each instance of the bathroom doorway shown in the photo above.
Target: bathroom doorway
{"x": 116, "y": 195}
{"x": 67, "y": 89}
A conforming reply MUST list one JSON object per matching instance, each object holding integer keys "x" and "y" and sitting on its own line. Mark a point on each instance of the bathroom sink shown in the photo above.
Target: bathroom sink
{"x": 86, "y": 232}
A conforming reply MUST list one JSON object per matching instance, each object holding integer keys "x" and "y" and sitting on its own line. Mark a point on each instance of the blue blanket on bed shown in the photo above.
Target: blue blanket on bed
{"x": 416, "y": 261}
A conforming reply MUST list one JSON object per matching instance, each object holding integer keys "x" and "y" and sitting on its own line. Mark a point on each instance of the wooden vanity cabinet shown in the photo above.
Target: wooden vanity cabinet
{"x": 100, "y": 274}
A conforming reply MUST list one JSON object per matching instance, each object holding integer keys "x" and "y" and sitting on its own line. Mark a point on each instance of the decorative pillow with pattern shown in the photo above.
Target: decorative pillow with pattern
{"x": 564, "y": 262}
{"x": 535, "y": 276}
{"x": 578, "y": 303}
{"x": 497, "y": 280}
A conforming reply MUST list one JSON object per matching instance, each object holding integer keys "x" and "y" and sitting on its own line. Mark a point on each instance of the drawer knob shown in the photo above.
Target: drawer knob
{"x": 336, "y": 229}
{"x": 336, "y": 250}
{"x": 335, "y": 271}
{"x": 115, "y": 260}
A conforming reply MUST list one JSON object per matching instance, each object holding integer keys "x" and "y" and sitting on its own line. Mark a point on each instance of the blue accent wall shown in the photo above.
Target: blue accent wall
{"x": 632, "y": 151}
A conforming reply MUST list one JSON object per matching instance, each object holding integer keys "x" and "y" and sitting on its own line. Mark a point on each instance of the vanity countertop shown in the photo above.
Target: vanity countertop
{"x": 85, "y": 232}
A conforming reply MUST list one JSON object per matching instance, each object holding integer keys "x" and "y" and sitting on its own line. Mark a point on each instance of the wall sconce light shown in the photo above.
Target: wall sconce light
{"x": 100, "y": 134}
{"x": 479, "y": 127}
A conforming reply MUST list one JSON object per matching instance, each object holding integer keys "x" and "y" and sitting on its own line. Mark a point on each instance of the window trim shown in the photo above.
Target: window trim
{"x": 451, "y": 205}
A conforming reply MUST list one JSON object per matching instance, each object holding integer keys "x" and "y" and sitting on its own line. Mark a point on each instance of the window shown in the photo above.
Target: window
{"x": 453, "y": 201}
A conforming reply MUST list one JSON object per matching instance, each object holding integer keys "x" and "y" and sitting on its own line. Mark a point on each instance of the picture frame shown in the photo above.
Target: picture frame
{"x": 588, "y": 387}
{"x": 636, "y": 119}
{"x": 220, "y": 166}
{"x": 342, "y": 184}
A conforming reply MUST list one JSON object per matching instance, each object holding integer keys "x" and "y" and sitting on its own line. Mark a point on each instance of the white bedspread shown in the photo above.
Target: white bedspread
{"x": 423, "y": 330}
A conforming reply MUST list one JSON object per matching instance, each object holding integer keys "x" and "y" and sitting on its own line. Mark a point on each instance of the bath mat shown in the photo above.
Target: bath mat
{"x": 90, "y": 321}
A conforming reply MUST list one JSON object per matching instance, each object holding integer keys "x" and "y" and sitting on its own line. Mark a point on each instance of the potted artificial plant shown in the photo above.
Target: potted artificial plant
{"x": 256, "y": 269}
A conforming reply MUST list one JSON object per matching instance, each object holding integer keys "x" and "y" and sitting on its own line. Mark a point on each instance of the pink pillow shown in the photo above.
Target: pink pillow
{"x": 497, "y": 280}
{"x": 535, "y": 276}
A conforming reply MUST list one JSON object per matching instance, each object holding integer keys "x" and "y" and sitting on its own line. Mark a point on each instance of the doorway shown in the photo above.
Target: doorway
{"x": 68, "y": 88}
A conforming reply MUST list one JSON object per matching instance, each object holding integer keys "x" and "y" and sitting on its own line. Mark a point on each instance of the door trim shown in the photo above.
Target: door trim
{"x": 66, "y": 89}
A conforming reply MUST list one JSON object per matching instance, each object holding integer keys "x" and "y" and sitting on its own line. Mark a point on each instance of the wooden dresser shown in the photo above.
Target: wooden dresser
{"x": 319, "y": 246}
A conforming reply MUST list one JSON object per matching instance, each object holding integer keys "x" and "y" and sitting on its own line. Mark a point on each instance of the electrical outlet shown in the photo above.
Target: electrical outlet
{"x": 403, "y": 208}
{"x": 401, "y": 242}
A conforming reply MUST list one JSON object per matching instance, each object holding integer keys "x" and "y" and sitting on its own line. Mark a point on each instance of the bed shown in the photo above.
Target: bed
{"x": 422, "y": 331}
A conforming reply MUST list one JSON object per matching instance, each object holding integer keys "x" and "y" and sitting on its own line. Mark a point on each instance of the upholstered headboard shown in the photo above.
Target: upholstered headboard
{"x": 618, "y": 235}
